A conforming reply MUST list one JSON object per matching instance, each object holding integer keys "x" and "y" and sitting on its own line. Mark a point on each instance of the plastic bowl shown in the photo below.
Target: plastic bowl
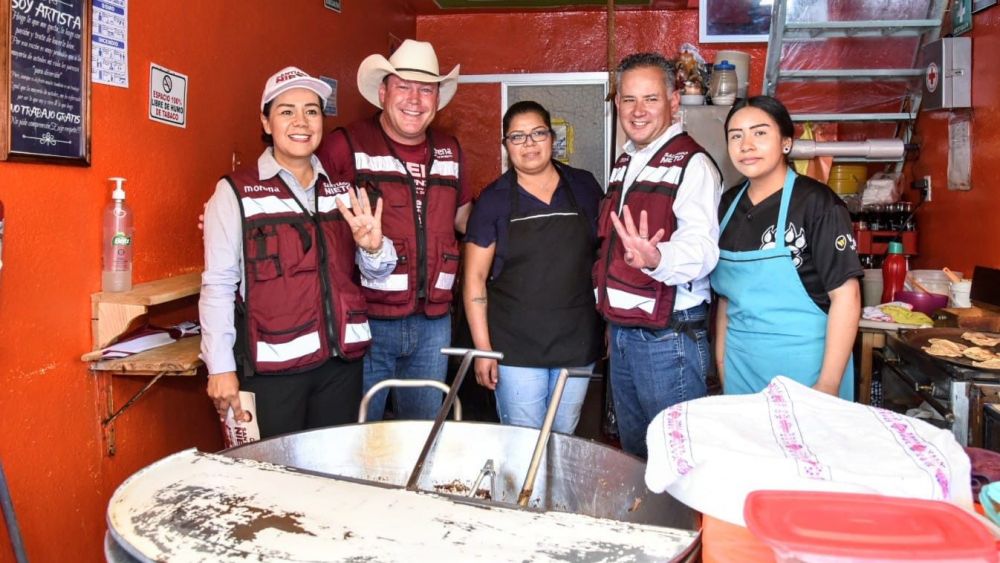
{"x": 925, "y": 303}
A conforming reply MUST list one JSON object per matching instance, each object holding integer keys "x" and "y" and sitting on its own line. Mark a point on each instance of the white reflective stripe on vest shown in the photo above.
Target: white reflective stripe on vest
{"x": 271, "y": 204}
{"x": 661, "y": 174}
{"x": 371, "y": 163}
{"x": 395, "y": 282}
{"x": 445, "y": 169}
{"x": 618, "y": 174}
{"x": 624, "y": 300}
{"x": 357, "y": 332}
{"x": 301, "y": 346}
{"x": 326, "y": 203}
{"x": 445, "y": 281}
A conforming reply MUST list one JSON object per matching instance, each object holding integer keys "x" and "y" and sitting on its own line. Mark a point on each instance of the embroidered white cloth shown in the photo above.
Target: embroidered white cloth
{"x": 711, "y": 453}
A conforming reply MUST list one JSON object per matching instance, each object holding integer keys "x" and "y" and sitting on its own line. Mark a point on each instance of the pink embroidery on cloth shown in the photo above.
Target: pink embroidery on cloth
{"x": 787, "y": 433}
{"x": 921, "y": 451}
{"x": 678, "y": 440}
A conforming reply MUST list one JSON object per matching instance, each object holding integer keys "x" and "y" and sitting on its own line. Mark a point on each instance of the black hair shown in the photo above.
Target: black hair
{"x": 264, "y": 136}
{"x": 770, "y": 106}
{"x": 521, "y": 108}
{"x": 647, "y": 60}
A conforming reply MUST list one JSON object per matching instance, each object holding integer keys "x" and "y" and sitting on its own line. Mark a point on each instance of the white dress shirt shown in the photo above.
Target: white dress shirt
{"x": 692, "y": 252}
{"x": 224, "y": 268}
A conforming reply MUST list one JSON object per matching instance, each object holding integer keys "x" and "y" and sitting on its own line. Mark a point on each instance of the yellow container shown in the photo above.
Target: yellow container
{"x": 847, "y": 179}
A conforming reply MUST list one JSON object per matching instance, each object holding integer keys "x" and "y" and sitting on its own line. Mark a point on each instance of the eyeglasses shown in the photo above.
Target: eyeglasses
{"x": 538, "y": 135}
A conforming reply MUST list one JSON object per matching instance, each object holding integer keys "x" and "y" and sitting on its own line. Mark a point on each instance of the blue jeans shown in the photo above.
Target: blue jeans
{"x": 407, "y": 348}
{"x": 654, "y": 369}
{"x": 523, "y": 395}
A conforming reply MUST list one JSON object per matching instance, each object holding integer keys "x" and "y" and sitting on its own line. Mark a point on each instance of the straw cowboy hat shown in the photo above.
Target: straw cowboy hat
{"x": 413, "y": 60}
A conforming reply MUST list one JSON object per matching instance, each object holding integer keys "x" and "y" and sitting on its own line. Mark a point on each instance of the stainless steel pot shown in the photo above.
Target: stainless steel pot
{"x": 577, "y": 475}
{"x": 574, "y": 475}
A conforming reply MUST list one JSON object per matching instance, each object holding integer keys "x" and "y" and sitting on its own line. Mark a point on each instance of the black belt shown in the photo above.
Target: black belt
{"x": 688, "y": 327}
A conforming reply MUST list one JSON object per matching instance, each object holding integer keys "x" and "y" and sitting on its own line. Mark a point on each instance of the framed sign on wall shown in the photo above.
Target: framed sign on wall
{"x": 734, "y": 21}
{"x": 45, "y": 81}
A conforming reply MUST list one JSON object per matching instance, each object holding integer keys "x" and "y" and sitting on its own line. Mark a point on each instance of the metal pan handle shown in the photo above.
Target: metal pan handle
{"x": 390, "y": 383}
{"x": 543, "y": 434}
{"x": 467, "y": 356}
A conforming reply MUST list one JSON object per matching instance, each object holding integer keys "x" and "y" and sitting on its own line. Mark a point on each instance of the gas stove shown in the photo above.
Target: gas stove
{"x": 955, "y": 394}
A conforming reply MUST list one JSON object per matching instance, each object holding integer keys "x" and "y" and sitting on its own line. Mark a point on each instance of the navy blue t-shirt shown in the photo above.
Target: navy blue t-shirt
{"x": 491, "y": 210}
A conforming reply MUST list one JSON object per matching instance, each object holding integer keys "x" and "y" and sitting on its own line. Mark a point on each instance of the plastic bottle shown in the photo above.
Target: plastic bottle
{"x": 117, "y": 242}
{"x": 893, "y": 272}
{"x": 724, "y": 84}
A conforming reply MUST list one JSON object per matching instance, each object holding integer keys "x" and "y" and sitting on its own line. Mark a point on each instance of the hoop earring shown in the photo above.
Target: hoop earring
{"x": 787, "y": 150}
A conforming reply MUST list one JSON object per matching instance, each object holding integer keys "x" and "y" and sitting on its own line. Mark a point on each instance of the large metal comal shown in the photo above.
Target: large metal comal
{"x": 466, "y": 463}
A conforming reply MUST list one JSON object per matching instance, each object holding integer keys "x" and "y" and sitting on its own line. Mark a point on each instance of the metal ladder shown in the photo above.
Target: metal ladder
{"x": 791, "y": 27}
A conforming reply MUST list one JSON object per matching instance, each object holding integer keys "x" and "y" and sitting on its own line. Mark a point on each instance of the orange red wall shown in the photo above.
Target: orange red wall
{"x": 50, "y": 440}
{"x": 551, "y": 42}
{"x": 959, "y": 229}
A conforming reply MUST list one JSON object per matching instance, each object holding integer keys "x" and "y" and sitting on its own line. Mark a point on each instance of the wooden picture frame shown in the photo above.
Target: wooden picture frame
{"x": 980, "y": 5}
{"x": 733, "y": 21}
{"x": 45, "y": 81}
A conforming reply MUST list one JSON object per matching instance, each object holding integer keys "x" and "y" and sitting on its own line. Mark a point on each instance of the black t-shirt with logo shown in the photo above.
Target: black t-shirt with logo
{"x": 819, "y": 233}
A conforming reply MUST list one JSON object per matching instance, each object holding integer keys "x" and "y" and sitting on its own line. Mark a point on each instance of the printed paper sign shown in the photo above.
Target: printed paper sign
{"x": 109, "y": 43}
{"x": 330, "y": 108}
{"x": 167, "y": 96}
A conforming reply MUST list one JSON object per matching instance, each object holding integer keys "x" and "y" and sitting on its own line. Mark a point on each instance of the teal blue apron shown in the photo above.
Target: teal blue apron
{"x": 774, "y": 327}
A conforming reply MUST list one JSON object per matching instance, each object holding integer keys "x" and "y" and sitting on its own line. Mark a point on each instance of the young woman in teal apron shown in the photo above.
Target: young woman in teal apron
{"x": 768, "y": 323}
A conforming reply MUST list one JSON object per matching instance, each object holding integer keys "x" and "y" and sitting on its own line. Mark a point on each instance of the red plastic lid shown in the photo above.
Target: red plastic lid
{"x": 867, "y": 526}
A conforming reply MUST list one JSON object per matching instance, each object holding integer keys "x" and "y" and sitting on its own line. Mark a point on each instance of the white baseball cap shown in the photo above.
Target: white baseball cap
{"x": 292, "y": 77}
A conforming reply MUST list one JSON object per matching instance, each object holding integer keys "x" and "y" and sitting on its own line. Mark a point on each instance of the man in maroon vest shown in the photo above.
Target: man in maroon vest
{"x": 418, "y": 175}
{"x": 659, "y": 234}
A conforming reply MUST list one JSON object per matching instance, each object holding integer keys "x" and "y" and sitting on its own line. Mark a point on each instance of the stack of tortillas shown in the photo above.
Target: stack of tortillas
{"x": 979, "y": 354}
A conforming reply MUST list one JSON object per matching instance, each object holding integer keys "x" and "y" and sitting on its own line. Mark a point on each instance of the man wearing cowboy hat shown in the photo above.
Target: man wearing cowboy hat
{"x": 418, "y": 174}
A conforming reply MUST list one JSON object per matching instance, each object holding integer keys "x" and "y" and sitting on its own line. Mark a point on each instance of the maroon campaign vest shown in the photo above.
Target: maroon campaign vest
{"x": 625, "y": 295}
{"x": 302, "y": 301}
{"x": 428, "y": 257}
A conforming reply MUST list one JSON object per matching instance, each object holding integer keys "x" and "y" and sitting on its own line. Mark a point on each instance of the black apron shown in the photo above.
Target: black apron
{"x": 541, "y": 307}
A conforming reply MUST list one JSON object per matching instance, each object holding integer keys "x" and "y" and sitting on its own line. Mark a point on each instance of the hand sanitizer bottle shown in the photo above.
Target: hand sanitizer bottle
{"x": 117, "y": 242}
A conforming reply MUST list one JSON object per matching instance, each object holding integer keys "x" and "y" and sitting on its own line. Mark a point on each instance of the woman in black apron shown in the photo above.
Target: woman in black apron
{"x": 529, "y": 250}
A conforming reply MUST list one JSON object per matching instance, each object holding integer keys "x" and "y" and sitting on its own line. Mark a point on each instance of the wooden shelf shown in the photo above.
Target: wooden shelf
{"x": 113, "y": 313}
{"x": 154, "y": 292}
{"x": 178, "y": 358}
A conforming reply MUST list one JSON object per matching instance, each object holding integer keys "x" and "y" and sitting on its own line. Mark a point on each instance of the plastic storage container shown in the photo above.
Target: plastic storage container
{"x": 871, "y": 287}
{"x": 724, "y": 84}
{"x": 847, "y": 179}
{"x": 740, "y": 60}
{"x": 936, "y": 281}
{"x": 893, "y": 272}
{"x": 840, "y": 527}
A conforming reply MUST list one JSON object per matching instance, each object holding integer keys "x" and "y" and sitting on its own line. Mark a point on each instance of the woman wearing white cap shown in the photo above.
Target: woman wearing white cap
{"x": 281, "y": 241}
